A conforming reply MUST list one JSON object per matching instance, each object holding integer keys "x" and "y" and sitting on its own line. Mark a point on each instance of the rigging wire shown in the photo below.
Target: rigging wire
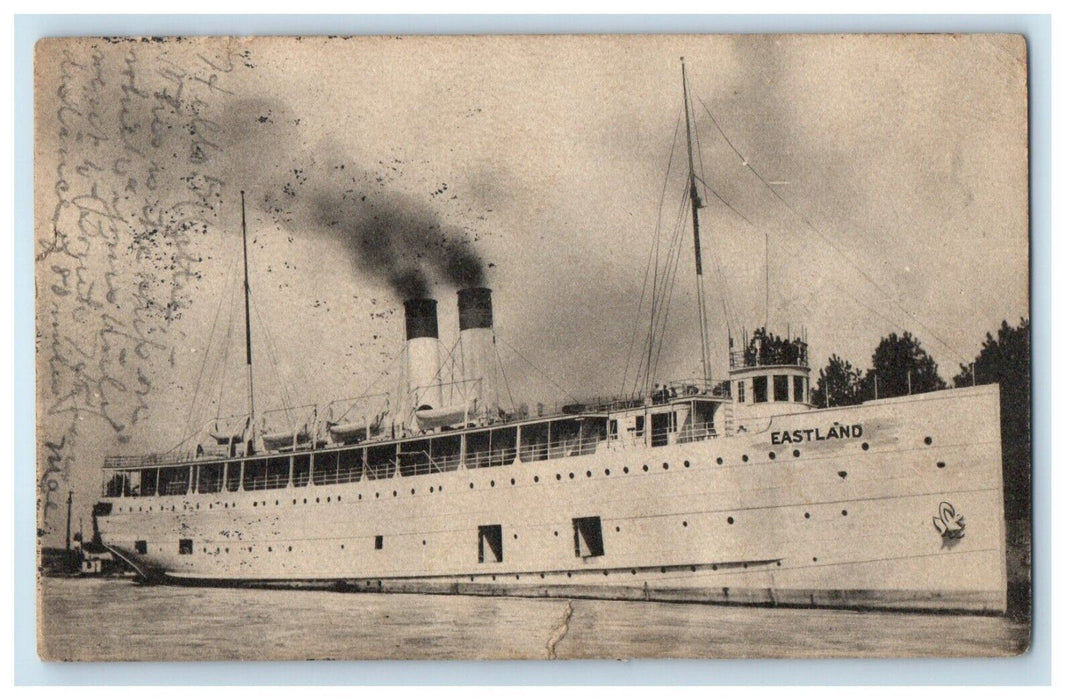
{"x": 648, "y": 263}
{"x": 670, "y": 275}
{"x": 204, "y": 360}
{"x": 889, "y": 297}
{"x": 542, "y": 372}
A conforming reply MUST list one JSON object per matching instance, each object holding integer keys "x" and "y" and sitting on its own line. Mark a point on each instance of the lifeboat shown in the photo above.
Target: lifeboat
{"x": 428, "y": 417}
{"x": 281, "y": 440}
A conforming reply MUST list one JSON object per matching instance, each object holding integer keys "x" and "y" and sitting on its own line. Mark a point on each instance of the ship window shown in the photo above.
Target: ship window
{"x": 174, "y": 481}
{"x": 504, "y": 446}
{"x": 234, "y": 475}
{"x": 414, "y": 458}
{"x": 446, "y": 453}
{"x": 639, "y": 426}
{"x": 141, "y": 547}
{"x": 612, "y": 429}
{"x": 799, "y": 389}
{"x": 759, "y": 389}
{"x": 325, "y": 468}
{"x": 588, "y": 537}
{"x": 741, "y": 392}
{"x": 380, "y": 462}
{"x": 565, "y": 439}
{"x": 489, "y": 543}
{"x": 782, "y": 387}
{"x": 535, "y": 440}
{"x": 209, "y": 477}
{"x": 301, "y": 471}
{"x": 149, "y": 482}
{"x": 378, "y": 543}
{"x": 186, "y": 546}
{"x": 350, "y": 465}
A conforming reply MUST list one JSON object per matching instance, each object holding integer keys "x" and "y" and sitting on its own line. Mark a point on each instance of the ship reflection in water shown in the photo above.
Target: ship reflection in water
{"x": 90, "y": 620}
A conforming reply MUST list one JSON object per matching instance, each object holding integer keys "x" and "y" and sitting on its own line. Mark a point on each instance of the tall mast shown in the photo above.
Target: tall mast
{"x": 696, "y": 204}
{"x": 249, "y": 344}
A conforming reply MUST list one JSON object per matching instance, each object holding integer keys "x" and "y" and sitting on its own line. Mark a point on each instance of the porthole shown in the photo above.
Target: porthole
{"x": 536, "y": 479}
{"x": 644, "y": 468}
{"x": 730, "y": 520}
{"x": 571, "y": 475}
{"x": 685, "y": 523}
{"x": 607, "y": 472}
{"x": 304, "y": 501}
{"x": 807, "y": 515}
{"x": 771, "y": 455}
{"x": 745, "y": 458}
{"x": 927, "y": 440}
{"x": 277, "y": 503}
{"x": 377, "y": 494}
{"x": 663, "y": 569}
{"x": 556, "y": 533}
{"x": 493, "y": 483}
{"x": 413, "y": 492}
{"x": 864, "y": 446}
{"x": 512, "y": 482}
{"x": 318, "y": 499}
{"x": 625, "y": 470}
{"x": 618, "y": 529}
{"x": 359, "y": 496}
{"x": 270, "y": 549}
{"x": 845, "y": 512}
{"x": 471, "y": 484}
{"x": 814, "y": 559}
{"x": 588, "y": 474}
{"x": 431, "y": 489}
{"x": 424, "y": 543}
{"x": 797, "y": 453}
{"x": 941, "y": 465}
{"x": 718, "y": 460}
{"x": 515, "y": 535}
{"x": 666, "y": 466}
{"x": 294, "y": 501}
{"x": 290, "y": 548}
{"x": 439, "y": 488}
{"x": 558, "y": 477}
{"x": 394, "y": 494}
{"x": 686, "y": 464}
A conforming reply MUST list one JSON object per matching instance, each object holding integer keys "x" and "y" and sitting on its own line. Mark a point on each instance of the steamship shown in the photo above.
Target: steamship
{"x": 733, "y": 490}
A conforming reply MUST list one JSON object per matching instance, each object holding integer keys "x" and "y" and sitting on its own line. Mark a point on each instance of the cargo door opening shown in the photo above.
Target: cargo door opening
{"x": 588, "y": 537}
{"x": 489, "y": 544}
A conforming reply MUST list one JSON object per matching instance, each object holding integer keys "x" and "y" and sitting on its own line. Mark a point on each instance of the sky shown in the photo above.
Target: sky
{"x": 868, "y": 186}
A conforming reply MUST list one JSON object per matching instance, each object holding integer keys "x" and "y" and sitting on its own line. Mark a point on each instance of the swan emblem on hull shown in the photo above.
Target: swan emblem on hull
{"x": 950, "y": 524}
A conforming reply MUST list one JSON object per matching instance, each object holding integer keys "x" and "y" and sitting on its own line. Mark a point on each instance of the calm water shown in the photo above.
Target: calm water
{"x": 86, "y": 619}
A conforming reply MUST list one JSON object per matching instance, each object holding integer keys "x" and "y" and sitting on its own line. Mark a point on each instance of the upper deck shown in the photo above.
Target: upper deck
{"x": 674, "y": 413}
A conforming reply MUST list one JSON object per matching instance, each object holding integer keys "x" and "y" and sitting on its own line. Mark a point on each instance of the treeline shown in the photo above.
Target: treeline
{"x": 900, "y": 363}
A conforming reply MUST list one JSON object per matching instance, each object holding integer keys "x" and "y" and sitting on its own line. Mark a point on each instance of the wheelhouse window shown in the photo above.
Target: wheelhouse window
{"x": 782, "y": 387}
{"x": 759, "y": 389}
{"x": 535, "y": 440}
{"x": 741, "y": 392}
{"x": 799, "y": 389}
{"x": 504, "y": 446}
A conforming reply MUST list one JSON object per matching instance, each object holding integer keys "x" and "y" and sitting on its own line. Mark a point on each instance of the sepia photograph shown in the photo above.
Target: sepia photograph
{"x": 532, "y": 347}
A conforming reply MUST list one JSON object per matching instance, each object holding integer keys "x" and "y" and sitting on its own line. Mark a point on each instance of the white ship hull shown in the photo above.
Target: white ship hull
{"x": 840, "y": 524}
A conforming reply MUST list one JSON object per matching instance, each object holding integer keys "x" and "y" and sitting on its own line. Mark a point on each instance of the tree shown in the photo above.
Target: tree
{"x": 839, "y": 384}
{"x": 897, "y": 361}
{"x": 1006, "y": 361}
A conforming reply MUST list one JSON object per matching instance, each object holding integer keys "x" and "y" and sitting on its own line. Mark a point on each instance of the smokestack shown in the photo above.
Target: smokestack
{"x": 478, "y": 351}
{"x": 423, "y": 353}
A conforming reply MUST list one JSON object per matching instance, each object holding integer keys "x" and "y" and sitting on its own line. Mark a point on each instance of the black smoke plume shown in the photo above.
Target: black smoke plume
{"x": 398, "y": 239}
